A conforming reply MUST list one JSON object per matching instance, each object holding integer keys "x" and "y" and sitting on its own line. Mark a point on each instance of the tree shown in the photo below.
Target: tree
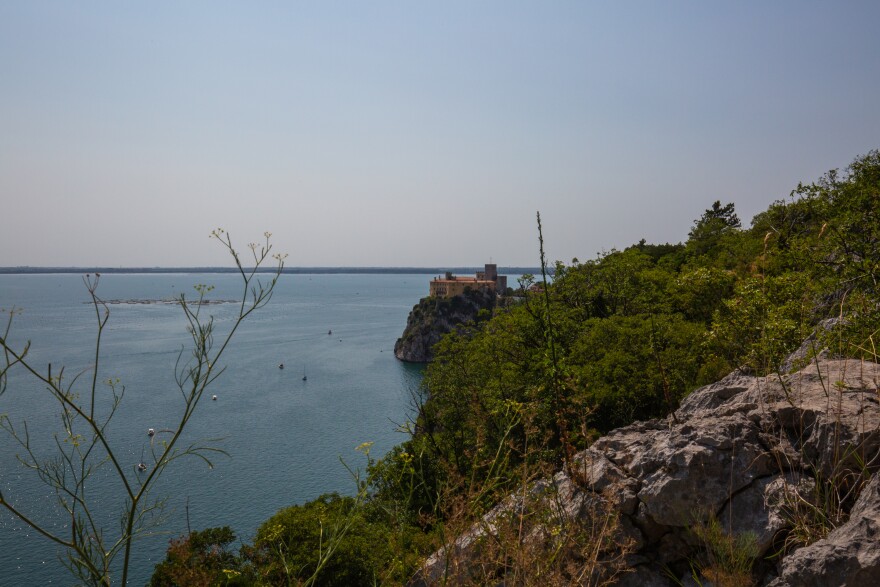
{"x": 200, "y": 559}
{"x": 716, "y": 219}
{"x": 848, "y": 247}
{"x": 328, "y": 541}
{"x": 710, "y": 229}
{"x": 83, "y": 446}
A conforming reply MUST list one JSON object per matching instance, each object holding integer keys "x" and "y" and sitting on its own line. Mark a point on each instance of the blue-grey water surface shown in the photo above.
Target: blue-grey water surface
{"x": 285, "y": 436}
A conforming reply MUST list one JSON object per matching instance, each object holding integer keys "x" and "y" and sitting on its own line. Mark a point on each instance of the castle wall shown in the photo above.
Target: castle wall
{"x": 447, "y": 288}
{"x": 452, "y": 286}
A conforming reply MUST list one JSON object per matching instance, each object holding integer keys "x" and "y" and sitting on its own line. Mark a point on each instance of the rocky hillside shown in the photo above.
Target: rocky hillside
{"x": 767, "y": 469}
{"x": 433, "y": 317}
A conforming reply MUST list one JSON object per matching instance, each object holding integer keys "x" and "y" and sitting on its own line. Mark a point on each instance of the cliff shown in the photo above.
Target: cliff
{"x": 433, "y": 317}
{"x": 776, "y": 471}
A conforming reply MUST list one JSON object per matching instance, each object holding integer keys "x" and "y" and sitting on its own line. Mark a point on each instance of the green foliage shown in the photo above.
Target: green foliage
{"x": 201, "y": 558}
{"x": 626, "y": 285}
{"x": 618, "y": 338}
{"x": 698, "y": 292}
{"x": 294, "y": 544}
{"x": 709, "y": 232}
{"x": 636, "y": 367}
{"x": 728, "y": 558}
{"x": 764, "y": 320}
{"x": 669, "y": 254}
{"x": 471, "y": 423}
{"x": 634, "y": 331}
{"x": 829, "y": 236}
{"x": 848, "y": 249}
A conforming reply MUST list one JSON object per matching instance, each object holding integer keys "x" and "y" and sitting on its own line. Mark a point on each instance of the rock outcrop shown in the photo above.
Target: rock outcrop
{"x": 777, "y": 459}
{"x": 433, "y": 317}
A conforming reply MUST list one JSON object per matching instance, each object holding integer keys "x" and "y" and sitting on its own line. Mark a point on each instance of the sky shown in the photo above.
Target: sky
{"x": 414, "y": 133}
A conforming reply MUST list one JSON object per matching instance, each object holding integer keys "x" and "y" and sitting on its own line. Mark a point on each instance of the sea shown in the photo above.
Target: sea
{"x": 288, "y": 435}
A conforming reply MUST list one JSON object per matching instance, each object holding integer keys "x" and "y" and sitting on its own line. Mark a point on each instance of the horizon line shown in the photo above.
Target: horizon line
{"x": 31, "y": 269}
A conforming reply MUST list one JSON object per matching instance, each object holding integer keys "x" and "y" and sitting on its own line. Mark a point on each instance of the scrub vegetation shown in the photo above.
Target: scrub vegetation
{"x": 618, "y": 338}
{"x": 604, "y": 342}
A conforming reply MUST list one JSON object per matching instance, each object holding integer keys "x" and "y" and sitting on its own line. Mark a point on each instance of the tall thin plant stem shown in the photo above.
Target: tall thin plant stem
{"x": 555, "y": 383}
{"x": 82, "y": 445}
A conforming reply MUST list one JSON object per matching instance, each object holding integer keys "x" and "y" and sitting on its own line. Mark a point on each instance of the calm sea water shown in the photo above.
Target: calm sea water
{"x": 285, "y": 436}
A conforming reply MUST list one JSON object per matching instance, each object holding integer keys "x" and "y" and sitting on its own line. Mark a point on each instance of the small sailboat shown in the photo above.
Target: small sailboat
{"x": 142, "y": 466}
{"x": 305, "y": 378}
{"x": 329, "y": 332}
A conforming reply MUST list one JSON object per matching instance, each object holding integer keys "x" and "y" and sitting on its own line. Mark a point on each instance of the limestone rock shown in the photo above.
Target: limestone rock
{"x": 742, "y": 450}
{"x": 432, "y": 317}
{"x": 759, "y": 507}
{"x": 687, "y": 471}
{"x": 849, "y": 555}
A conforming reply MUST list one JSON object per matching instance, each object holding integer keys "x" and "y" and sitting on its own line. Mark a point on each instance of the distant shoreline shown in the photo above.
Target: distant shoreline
{"x": 26, "y": 270}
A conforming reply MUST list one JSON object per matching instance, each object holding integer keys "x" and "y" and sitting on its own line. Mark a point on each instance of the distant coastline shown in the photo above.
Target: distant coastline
{"x": 27, "y": 270}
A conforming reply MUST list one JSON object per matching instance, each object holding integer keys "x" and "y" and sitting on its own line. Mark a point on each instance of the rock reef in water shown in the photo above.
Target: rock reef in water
{"x": 753, "y": 453}
{"x": 433, "y": 317}
{"x": 166, "y": 301}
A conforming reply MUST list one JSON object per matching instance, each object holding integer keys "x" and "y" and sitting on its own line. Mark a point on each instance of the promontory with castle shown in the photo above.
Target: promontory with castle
{"x": 452, "y": 300}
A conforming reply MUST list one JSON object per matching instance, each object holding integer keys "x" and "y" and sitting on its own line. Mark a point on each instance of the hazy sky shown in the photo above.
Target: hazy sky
{"x": 414, "y": 133}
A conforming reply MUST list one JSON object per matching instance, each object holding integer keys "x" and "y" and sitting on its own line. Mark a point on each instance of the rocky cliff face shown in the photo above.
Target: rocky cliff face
{"x": 431, "y": 318}
{"x": 774, "y": 459}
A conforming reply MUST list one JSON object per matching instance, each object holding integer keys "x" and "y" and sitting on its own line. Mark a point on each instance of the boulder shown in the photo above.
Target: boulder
{"x": 849, "y": 555}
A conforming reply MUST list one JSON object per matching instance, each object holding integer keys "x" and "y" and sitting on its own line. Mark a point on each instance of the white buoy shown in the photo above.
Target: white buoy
{"x": 214, "y": 397}
{"x": 150, "y": 432}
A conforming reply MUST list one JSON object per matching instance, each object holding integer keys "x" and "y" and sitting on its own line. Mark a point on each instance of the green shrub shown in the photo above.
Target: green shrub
{"x": 201, "y": 558}
{"x": 330, "y": 540}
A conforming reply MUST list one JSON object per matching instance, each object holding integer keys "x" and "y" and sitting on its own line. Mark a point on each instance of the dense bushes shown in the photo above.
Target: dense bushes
{"x": 615, "y": 339}
{"x": 200, "y": 558}
{"x": 295, "y": 543}
{"x": 633, "y": 332}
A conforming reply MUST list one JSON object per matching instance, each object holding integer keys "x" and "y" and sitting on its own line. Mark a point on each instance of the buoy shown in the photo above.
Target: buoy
{"x": 150, "y": 432}
{"x": 214, "y": 397}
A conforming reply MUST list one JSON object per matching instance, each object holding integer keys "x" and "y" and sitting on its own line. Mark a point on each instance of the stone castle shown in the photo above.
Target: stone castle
{"x": 455, "y": 285}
